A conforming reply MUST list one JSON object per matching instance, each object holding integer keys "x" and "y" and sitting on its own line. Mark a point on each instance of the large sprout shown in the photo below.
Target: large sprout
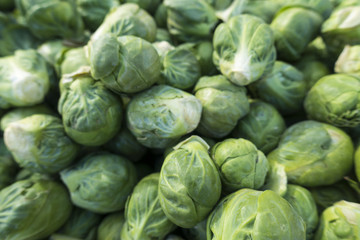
{"x": 110, "y": 174}
{"x": 124, "y": 64}
{"x": 161, "y": 115}
{"x": 335, "y": 99}
{"x": 189, "y": 185}
{"x": 40, "y": 144}
{"x": 251, "y": 214}
{"x": 244, "y": 49}
{"x": 33, "y": 209}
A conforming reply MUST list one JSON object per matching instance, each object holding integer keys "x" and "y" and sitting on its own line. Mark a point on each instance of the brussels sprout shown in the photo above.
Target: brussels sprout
{"x": 91, "y": 113}
{"x": 125, "y": 64}
{"x": 284, "y": 87}
{"x": 326, "y": 196}
{"x": 128, "y": 19}
{"x": 111, "y": 226}
{"x": 111, "y": 175}
{"x": 219, "y": 97}
{"x": 24, "y": 79}
{"x": 17, "y": 114}
{"x": 244, "y": 49}
{"x": 304, "y": 204}
{"x": 263, "y": 126}
{"x": 40, "y": 144}
{"x": 149, "y": 5}
{"x": 251, "y": 214}
{"x": 189, "y": 185}
{"x": 314, "y": 154}
{"x": 93, "y": 12}
{"x": 335, "y": 99}
{"x": 144, "y": 217}
{"x": 312, "y": 70}
{"x": 198, "y": 232}
{"x": 33, "y": 209}
{"x": 294, "y": 28}
{"x": 72, "y": 60}
{"x": 240, "y": 164}
{"x": 340, "y": 221}
{"x": 161, "y": 16}
{"x": 190, "y": 20}
{"x": 125, "y": 144}
{"x": 159, "y": 116}
{"x": 52, "y": 18}
{"x": 341, "y": 28}
{"x": 349, "y": 61}
{"x": 8, "y": 167}
{"x": 80, "y": 223}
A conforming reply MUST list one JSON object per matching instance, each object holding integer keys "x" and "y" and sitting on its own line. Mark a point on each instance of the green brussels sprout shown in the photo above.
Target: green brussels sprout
{"x": 294, "y": 28}
{"x": 198, "y": 232}
{"x": 125, "y": 64}
{"x": 190, "y": 20}
{"x": 189, "y": 185}
{"x": 284, "y": 87}
{"x": 326, "y": 196}
{"x": 17, "y": 114}
{"x": 111, "y": 175}
{"x": 349, "y": 61}
{"x": 93, "y": 12}
{"x": 219, "y": 97}
{"x": 72, "y": 60}
{"x": 24, "y": 79}
{"x": 111, "y": 226}
{"x": 33, "y": 209}
{"x": 91, "y": 113}
{"x": 161, "y": 16}
{"x": 180, "y": 68}
{"x": 341, "y": 28}
{"x": 8, "y": 167}
{"x": 149, "y": 5}
{"x": 159, "y": 116}
{"x": 240, "y": 164}
{"x": 14, "y": 36}
{"x": 144, "y": 217}
{"x": 80, "y": 223}
{"x": 39, "y": 143}
{"x": 251, "y": 214}
{"x": 263, "y": 126}
{"x": 335, "y": 99}
{"x": 162, "y": 35}
{"x": 48, "y": 19}
{"x": 124, "y": 143}
{"x": 341, "y": 221}
{"x": 304, "y": 204}
{"x": 312, "y": 70}
{"x": 127, "y": 19}
{"x": 244, "y": 49}
{"x": 52, "y": 51}
{"x": 313, "y": 154}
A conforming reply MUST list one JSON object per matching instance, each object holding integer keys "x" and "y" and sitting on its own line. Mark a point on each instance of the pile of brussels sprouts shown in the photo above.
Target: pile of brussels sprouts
{"x": 180, "y": 119}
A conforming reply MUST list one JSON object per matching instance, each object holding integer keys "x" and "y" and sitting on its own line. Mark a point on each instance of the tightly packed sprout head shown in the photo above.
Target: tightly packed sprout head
{"x": 284, "y": 87}
{"x": 304, "y": 204}
{"x": 145, "y": 219}
{"x": 48, "y": 19}
{"x": 91, "y": 113}
{"x": 340, "y": 221}
{"x": 240, "y": 164}
{"x": 219, "y": 97}
{"x": 128, "y": 19}
{"x": 159, "y": 116}
{"x": 33, "y": 209}
{"x": 40, "y": 144}
{"x": 190, "y": 20}
{"x": 313, "y": 154}
{"x": 251, "y": 214}
{"x": 25, "y": 79}
{"x": 263, "y": 126}
{"x": 335, "y": 99}
{"x": 189, "y": 185}
{"x": 111, "y": 175}
{"x": 244, "y": 49}
{"x": 125, "y": 64}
